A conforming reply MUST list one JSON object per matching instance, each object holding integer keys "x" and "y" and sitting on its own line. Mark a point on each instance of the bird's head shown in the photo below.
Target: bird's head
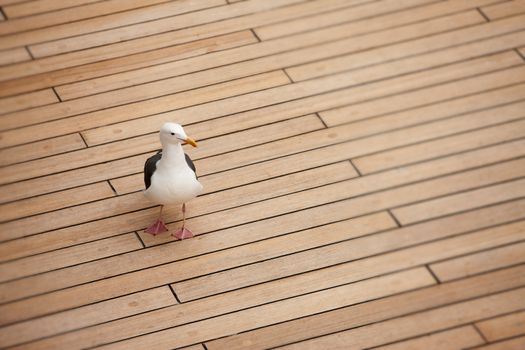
{"x": 174, "y": 133}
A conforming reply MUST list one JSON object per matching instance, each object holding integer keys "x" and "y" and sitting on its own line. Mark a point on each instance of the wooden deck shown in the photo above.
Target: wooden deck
{"x": 363, "y": 164}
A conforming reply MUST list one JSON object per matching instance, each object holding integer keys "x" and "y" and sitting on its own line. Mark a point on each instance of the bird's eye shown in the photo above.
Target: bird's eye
{"x": 172, "y": 133}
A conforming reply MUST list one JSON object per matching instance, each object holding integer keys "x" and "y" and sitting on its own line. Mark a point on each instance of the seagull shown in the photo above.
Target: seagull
{"x": 170, "y": 177}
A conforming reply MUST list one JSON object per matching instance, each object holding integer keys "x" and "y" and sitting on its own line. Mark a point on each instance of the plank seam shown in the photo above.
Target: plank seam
{"x": 431, "y": 272}
{"x": 56, "y": 93}
{"x": 174, "y": 293}
{"x": 480, "y": 333}
{"x": 483, "y": 14}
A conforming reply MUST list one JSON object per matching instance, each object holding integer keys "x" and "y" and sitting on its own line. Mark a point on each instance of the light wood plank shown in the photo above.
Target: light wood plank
{"x": 255, "y": 65}
{"x": 69, "y": 256}
{"x": 330, "y": 18}
{"x": 424, "y": 322}
{"x": 503, "y": 327}
{"x": 14, "y": 56}
{"x": 270, "y": 169}
{"x": 456, "y": 143}
{"x": 26, "y": 101}
{"x": 352, "y": 250}
{"x": 210, "y": 165}
{"x": 258, "y": 51}
{"x": 424, "y": 101}
{"x": 378, "y": 310}
{"x": 219, "y": 20}
{"x": 164, "y": 40}
{"x": 183, "y": 313}
{"x": 273, "y": 113}
{"x": 480, "y": 262}
{"x": 509, "y": 8}
{"x": 87, "y": 315}
{"x": 262, "y": 98}
{"x": 107, "y": 11}
{"x": 39, "y": 149}
{"x": 511, "y": 344}
{"x": 144, "y": 42}
{"x": 351, "y": 61}
{"x": 454, "y": 339}
{"x": 145, "y": 100}
{"x": 129, "y": 62}
{"x": 355, "y": 207}
{"x": 54, "y": 201}
{"x": 38, "y": 6}
{"x": 205, "y": 308}
{"x": 302, "y": 305}
{"x": 463, "y": 201}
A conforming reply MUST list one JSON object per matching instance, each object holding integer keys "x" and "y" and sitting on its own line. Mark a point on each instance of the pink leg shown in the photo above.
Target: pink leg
{"x": 158, "y": 226}
{"x": 183, "y": 232}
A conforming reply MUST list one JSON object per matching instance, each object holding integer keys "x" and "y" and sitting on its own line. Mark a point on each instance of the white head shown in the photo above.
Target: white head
{"x": 172, "y": 133}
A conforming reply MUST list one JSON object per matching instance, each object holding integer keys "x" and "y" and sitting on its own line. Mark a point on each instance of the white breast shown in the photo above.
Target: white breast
{"x": 173, "y": 185}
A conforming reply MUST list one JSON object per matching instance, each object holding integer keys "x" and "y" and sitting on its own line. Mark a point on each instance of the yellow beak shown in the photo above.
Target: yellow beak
{"x": 191, "y": 141}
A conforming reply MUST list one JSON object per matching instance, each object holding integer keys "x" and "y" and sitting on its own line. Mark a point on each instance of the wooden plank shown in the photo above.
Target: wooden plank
{"x": 442, "y": 318}
{"x": 170, "y": 271}
{"x": 54, "y": 201}
{"x": 25, "y": 101}
{"x": 64, "y": 237}
{"x": 510, "y": 344}
{"x": 167, "y": 40}
{"x": 107, "y": 11}
{"x": 182, "y": 313}
{"x": 267, "y": 248}
{"x": 463, "y": 201}
{"x": 454, "y": 339}
{"x": 503, "y": 327}
{"x": 352, "y": 250}
{"x": 209, "y": 165}
{"x": 14, "y": 56}
{"x": 145, "y": 100}
{"x": 479, "y": 262}
{"x": 69, "y": 256}
{"x": 302, "y": 43}
{"x": 207, "y": 23}
{"x": 87, "y": 315}
{"x": 101, "y": 294}
{"x": 277, "y": 112}
{"x": 130, "y": 62}
{"x": 93, "y": 155}
{"x": 456, "y": 143}
{"x": 137, "y": 199}
{"x": 259, "y": 59}
{"x": 351, "y": 61}
{"x": 266, "y": 170}
{"x": 422, "y": 101}
{"x": 509, "y": 8}
{"x": 38, "y": 6}
{"x": 366, "y": 313}
{"x": 41, "y": 149}
{"x": 257, "y": 99}
{"x": 255, "y": 318}
{"x": 330, "y": 18}
{"x": 149, "y": 42}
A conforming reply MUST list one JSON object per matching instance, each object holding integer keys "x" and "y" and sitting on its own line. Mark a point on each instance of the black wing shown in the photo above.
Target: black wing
{"x": 190, "y": 164}
{"x": 149, "y": 168}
